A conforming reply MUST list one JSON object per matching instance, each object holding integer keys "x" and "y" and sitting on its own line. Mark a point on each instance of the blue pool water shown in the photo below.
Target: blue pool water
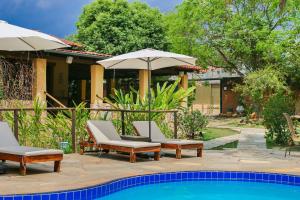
{"x": 188, "y": 185}
{"x": 208, "y": 190}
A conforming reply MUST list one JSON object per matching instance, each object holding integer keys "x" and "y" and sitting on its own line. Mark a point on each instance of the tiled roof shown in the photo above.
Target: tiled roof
{"x": 196, "y": 68}
{"x": 70, "y": 43}
{"x": 82, "y": 53}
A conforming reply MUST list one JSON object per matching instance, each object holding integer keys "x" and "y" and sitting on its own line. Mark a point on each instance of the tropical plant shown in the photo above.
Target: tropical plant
{"x": 41, "y": 129}
{"x": 119, "y": 26}
{"x": 164, "y": 97}
{"x": 274, "y": 120}
{"x": 192, "y": 123}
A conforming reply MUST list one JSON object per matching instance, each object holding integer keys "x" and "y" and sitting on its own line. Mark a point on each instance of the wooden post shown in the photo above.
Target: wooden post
{"x": 97, "y": 77}
{"x": 74, "y": 145}
{"x": 184, "y": 84}
{"x": 39, "y": 79}
{"x": 175, "y": 124}
{"x": 16, "y": 124}
{"x": 143, "y": 82}
{"x": 112, "y": 86}
{"x": 123, "y": 122}
{"x": 83, "y": 90}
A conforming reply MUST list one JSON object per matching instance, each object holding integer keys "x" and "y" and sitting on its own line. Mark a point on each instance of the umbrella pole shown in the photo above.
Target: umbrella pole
{"x": 149, "y": 98}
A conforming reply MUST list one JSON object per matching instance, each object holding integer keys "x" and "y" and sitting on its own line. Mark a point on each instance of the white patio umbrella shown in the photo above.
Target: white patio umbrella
{"x": 15, "y": 38}
{"x": 149, "y": 59}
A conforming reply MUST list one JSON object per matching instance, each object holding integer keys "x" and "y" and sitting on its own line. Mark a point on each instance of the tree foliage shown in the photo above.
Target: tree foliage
{"x": 116, "y": 26}
{"x": 260, "y": 85}
{"x": 236, "y": 34}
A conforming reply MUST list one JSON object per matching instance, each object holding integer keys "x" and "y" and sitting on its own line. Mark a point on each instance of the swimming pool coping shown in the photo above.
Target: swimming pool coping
{"x": 104, "y": 189}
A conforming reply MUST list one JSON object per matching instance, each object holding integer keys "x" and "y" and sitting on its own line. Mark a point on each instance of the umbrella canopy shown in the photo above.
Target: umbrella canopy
{"x": 149, "y": 59}
{"x": 15, "y": 38}
{"x": 140, "y": 59}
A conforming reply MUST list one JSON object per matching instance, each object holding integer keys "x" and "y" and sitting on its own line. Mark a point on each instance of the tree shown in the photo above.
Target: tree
{"x": 261, "y": 85}
{"x": 238, "y": 34}
{"x": 116, "y": 27}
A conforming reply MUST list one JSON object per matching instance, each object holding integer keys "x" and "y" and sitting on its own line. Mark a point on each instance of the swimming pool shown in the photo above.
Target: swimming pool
{"x": 211, "y": 185}
{"x": 208, "y": 190}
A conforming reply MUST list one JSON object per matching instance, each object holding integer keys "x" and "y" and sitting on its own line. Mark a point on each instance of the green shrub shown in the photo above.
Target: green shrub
{"x": 259, "y": 85}
{"x": 274, "y": 120}
{"x": 192, "y": 123}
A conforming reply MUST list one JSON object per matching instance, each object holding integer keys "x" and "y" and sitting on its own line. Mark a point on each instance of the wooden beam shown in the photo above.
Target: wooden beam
{"x": 184, "y": 84}
{"x": 112, "y": 86}
{"x": 83, "y": 90}
{"x": 143, "y": 82}
{"x": 97, "y": 78}
{"x": 39, "y": 79}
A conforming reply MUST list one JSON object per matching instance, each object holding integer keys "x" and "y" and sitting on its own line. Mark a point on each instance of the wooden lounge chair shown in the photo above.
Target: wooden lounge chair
{"x": 294, "y": 139}
{"x": 142, "y": 129}
{"x": 103, "y": 136}
{"x": 12, "y": 151}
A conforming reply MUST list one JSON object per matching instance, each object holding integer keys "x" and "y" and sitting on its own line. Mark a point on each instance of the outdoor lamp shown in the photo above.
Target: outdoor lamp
{"x": 69, "y": 60}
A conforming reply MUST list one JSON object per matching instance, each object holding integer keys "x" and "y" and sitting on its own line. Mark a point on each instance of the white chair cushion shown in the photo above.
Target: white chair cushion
{"x": 28, "y": 151}
{"x": 98, "y": 135}
{"x": 181, "y": 142}
{"x": 131, "y": 144}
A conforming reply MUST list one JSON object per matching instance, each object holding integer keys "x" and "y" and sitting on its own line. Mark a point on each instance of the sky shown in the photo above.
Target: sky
{"x": 56, "y": 17}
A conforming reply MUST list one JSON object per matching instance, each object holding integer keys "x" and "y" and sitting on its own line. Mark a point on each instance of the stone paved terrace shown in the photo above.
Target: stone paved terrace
{"x": 87, "y": 170}
{"x": 220, "y": 141}
{"x": 252, "y": 139}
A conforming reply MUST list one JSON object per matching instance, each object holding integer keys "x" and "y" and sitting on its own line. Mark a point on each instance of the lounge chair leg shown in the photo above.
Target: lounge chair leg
{"x": 81, "y": 149}
{"x": 106, "y": 151}
{"x": 286, "y": 150}
{"x": 156, "y": 156}
{"x": 3, "y": 161}
{"x": 199, "y": 152}
{"x": 178, "y": 153}
{"x": 132, "y": 157}
{"x": 57, "y": 166}
{"x": 23, "y": 168}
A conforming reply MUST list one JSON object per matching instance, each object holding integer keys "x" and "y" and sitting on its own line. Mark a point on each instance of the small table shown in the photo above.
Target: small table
{"x": 135, "y": 138}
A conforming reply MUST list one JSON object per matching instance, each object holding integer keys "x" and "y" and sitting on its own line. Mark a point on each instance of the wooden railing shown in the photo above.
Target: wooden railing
{"x": 55, "y": 100}
{"x": 73, "y": 118}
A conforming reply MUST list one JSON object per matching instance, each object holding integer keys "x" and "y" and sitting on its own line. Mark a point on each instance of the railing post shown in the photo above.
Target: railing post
{"x": 74, "y": 148}
{"x": 123, "y": 122}
{"x": 175, "y": 124}
{"x": 16, "y": 124}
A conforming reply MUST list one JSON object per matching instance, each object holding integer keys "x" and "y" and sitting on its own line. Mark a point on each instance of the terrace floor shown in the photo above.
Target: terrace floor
{"x": 87, "y": 170}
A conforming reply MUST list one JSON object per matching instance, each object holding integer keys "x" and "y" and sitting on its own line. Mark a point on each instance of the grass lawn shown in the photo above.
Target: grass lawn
{"x": 231, "y": 145}
{"x": 213, "y": 133}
